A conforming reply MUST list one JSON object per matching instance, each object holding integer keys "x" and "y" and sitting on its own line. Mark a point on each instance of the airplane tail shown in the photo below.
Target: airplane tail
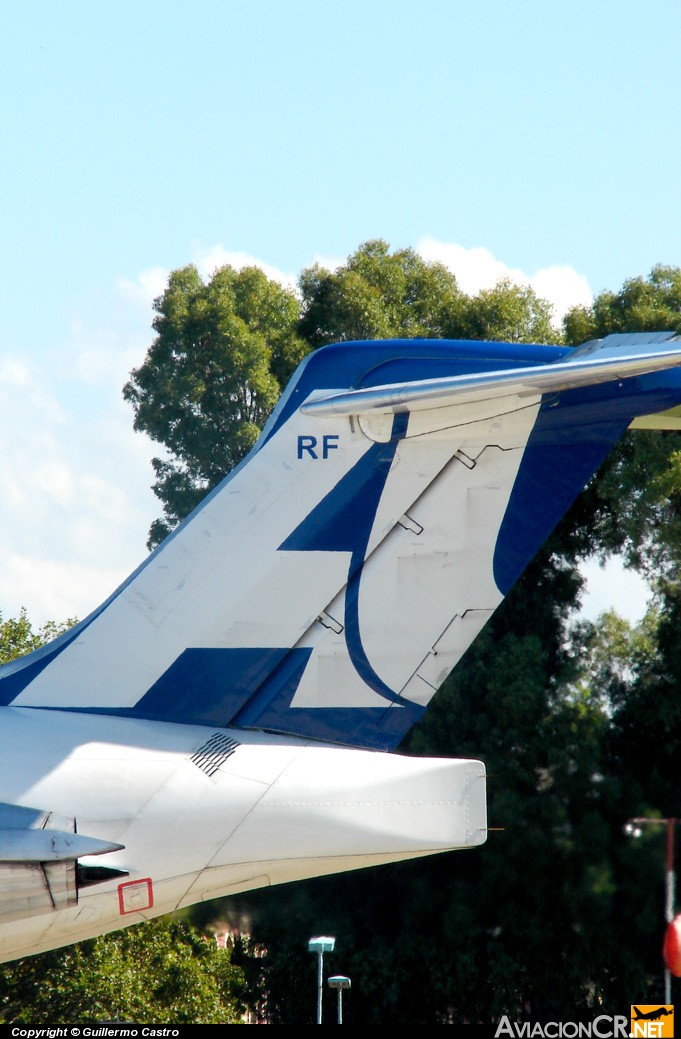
{"x": 330, "y": 583}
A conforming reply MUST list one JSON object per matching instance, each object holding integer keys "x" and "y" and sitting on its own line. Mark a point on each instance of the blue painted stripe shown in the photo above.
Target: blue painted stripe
{"x": 367, "y": 362}
{"x": 215, "y": 686}
{"x": 573, "y": 434}
{"x": 280, "y": 686}
{"x": 342, "y": 522}
{"x": 353, "y": 634}
{"x": 378, "y": 728}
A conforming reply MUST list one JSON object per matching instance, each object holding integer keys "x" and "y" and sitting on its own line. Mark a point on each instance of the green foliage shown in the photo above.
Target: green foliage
{"x": 615, "y": 653}
{"x": 637, "y": 494}
{"x": 651, "y": 304}
{"x": 635, "y": 500}
{"x": 557, "y": 911}
{"x": 162, "y": 972}
{"x": 17, "y": 636}
{"x": 379, "y": 295}
{"x": 508, "y": 312}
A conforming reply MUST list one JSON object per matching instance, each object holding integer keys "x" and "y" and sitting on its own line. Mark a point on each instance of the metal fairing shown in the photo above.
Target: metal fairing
{"x": 219, "y": 722}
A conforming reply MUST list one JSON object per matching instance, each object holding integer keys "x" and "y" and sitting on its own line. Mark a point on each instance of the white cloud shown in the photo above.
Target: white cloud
{"x": 76, "y": 506}
{"x": 144, "y": 289}
{"x": 152, "y": 282}
{"x": 477, "y": 269}
{"x": 13, "y": 372}
{"x": 564, "y": 287}
{"x": 210, "y": 258}
{"x": 110, "y": 333}
{"x": 74, "y": 476}
{"x": 52, "y": 589}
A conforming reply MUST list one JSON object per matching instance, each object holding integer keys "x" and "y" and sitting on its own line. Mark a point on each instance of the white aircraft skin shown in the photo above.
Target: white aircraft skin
{"x": 224, "y": 720}
{"x": 277, "y": 809}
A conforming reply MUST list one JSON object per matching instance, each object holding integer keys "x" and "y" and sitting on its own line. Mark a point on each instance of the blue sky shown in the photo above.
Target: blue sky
{"x": 534, "y": 139}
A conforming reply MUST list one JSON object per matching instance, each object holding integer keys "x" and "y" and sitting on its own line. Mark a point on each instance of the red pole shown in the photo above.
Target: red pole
{"x": 670, "y": 882}
{"x": 669, "y": 900}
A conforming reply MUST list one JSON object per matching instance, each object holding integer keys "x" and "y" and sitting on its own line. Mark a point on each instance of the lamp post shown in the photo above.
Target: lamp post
{"x": 633, "y": 828}
{"x": 320, "y": 945}
{"x": 339, "y": 982}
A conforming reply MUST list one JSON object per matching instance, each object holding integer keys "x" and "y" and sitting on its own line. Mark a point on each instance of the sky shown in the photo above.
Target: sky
{"x": 523, "y": 139}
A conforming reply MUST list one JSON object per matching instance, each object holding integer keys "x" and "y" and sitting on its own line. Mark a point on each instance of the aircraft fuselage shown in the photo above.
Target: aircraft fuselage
{"x": 202, "y": 812}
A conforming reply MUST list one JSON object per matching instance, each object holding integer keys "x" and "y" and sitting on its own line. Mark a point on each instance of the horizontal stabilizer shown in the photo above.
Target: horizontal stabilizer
{"x": 28, "y": 835}
{"x": 50, "y": 846}
{"x": 38, "y": 868}
{"x": 468, "y": 389}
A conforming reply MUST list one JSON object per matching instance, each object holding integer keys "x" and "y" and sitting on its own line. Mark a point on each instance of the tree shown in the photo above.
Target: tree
{"x": 378, "y": 295}
{"x": 547, "y": 913}
{"x": 651, "y": 304}
{"x": 163, "y": 972}
{"x": 639, "y": 514}
{"x": 636, "y": 496}
{"x": 17, "y": 636}
{"x": 222, "y": 354}
{"x": 381, "y": 295}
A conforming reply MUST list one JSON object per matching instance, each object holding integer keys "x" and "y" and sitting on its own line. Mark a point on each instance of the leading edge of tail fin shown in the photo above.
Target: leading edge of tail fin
{"x": 331, "y": 582}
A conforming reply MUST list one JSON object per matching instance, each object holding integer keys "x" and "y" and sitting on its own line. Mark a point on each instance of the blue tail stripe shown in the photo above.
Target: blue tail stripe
{"x": 281, "y": 685}
{"x": 570, "y": 439}
{"x": 378, "y": 728}
{"x": 208, "y": 686}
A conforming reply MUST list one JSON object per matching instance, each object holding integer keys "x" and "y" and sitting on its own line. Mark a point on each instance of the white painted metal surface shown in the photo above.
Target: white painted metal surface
{"x": 275, "y": 810}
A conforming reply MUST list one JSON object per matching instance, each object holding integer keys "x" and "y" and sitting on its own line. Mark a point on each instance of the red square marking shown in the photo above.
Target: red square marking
{"x": 135, "y": 895}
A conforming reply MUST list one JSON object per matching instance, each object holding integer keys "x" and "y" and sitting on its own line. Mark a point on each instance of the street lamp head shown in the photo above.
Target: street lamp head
{"x": 323, "y": 943}
{"x": 339, "y": 981}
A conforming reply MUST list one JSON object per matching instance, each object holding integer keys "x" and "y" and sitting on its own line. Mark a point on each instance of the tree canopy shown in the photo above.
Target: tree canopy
{"x": 17, "y": 636}
{"x": 164, "y": 972}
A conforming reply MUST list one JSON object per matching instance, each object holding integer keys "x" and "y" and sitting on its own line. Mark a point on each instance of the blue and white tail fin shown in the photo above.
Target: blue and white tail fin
{"x": 329, "y": 585}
